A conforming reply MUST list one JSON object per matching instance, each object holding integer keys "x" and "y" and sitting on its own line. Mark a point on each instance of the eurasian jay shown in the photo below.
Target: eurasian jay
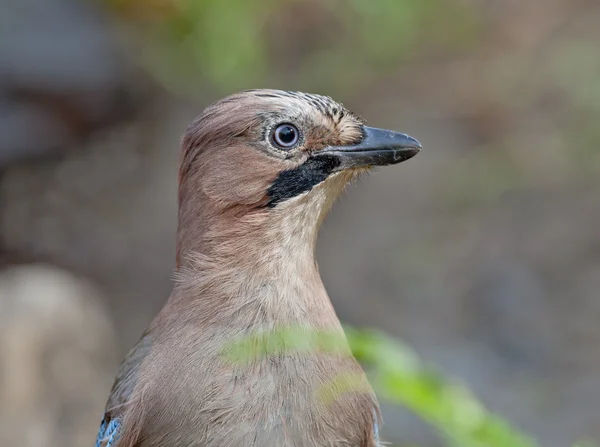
{"x": 259, "y": 171}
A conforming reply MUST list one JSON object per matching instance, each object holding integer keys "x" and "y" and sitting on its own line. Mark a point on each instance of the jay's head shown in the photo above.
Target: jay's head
{"x": 260, "y": 155}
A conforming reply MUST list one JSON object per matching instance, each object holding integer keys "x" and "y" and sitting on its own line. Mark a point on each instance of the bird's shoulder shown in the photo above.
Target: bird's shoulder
{"x": 127, "y": 374}
{"x": 121, "y": 393}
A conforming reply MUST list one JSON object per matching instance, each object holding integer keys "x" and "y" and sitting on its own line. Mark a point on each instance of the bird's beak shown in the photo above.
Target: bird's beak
{"x": 379, "y": 147}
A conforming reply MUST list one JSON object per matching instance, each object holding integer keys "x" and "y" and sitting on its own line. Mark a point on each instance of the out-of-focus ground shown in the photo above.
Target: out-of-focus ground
{"x": 483, "y": 252}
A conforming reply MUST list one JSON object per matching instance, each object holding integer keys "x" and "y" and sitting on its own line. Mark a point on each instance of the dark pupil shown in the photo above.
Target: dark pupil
{"x": 287, "y": 134}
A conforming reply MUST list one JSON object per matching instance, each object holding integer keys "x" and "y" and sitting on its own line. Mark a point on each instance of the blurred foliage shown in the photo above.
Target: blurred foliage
{"x": 330, "y": 44}
{"x": 399, "y": 377}
{"x": 286, "y": 339}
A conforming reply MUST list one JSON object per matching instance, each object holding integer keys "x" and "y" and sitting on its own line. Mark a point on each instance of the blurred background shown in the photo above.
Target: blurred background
{"x": 482, "y": 253}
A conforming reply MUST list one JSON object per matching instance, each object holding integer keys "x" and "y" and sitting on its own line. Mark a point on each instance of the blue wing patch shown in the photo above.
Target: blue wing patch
{"x": 108, "y": 433}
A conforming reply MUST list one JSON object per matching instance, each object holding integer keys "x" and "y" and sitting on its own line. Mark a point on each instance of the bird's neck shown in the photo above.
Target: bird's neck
{"x": 257, "y": 269}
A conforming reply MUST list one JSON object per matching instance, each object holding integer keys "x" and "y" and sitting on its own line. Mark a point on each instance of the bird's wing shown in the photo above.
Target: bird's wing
{"x": 108, "y": 433}
{"x": 126, "y": 379}
{"x": 111, "y": 428}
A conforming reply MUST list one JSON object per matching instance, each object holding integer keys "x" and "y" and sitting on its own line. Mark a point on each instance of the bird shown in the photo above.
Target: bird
{"x": 259, "y": 170}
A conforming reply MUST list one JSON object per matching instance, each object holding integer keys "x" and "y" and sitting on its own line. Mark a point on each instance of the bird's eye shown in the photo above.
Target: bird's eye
{"x": 286, "y": 136}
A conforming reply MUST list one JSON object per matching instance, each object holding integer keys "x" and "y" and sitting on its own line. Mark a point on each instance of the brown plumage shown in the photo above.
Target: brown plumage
{"x": 250, "y": 207}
